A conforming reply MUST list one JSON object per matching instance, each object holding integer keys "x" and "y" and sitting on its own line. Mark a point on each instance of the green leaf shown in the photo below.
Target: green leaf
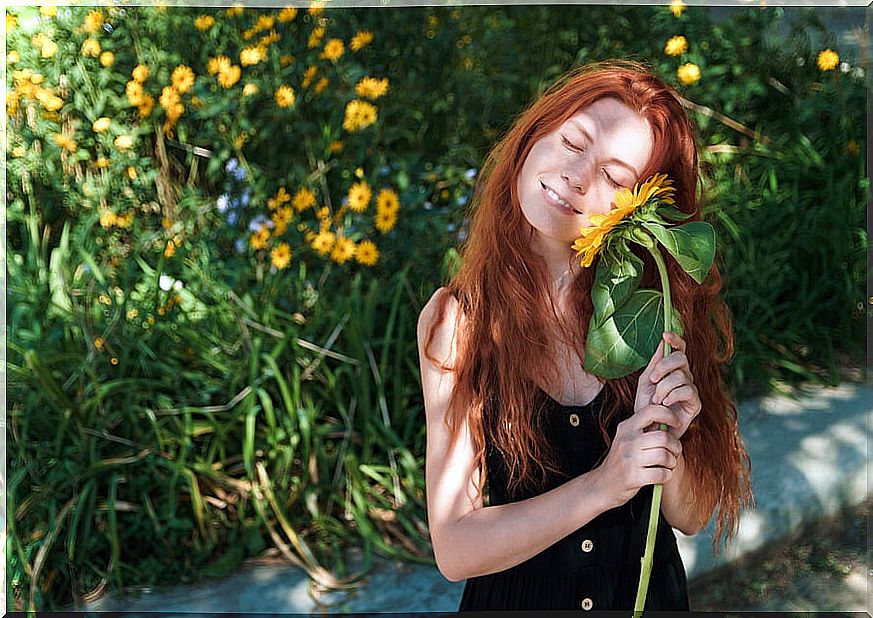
{"x": 618, "y": 275}
{"x": 692, "y": 245}
{"x": 627, "y": 340}
{"x": 672, "y": 214}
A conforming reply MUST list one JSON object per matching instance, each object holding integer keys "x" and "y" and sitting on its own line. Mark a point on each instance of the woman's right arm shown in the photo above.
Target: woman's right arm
{"x": 470, "y": 539}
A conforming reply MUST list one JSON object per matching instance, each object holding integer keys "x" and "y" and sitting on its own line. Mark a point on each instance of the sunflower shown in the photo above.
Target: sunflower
{"x": 626, "y": 202}
{"x": 359, "y": 196}
{"x": 367, "y": 253}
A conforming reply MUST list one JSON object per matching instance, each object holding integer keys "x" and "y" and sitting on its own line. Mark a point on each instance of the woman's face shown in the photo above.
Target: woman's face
{"x": 574, "y": 172}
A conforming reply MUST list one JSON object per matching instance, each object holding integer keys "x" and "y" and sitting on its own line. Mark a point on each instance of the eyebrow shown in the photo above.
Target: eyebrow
{"x": 587, "y": 135}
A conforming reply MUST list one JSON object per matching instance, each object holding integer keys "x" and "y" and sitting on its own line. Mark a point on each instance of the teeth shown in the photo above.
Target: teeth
{"x": 558, "y": 199}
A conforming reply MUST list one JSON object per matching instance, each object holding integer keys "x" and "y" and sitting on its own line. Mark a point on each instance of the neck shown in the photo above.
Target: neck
{"x": 560, "y": 263}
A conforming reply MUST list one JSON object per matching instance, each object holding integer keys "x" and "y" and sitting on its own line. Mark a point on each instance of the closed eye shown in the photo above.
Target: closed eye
{"x": 571, "y": 146}
{"x": 610, "y": 180}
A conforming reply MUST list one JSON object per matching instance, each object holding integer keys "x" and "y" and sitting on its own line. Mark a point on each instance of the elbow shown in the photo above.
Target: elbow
{"x": 448, "y": 568}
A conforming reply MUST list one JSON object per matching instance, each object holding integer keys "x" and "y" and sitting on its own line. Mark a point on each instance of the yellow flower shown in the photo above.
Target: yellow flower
{"x": 264, "y": 22}
{"x": 124, "y": 220}
{"x": 101, "y": 162}
{"x": 93, "y": 22}
{"x": 140, "y": 73}
{"x": 218, "y": 64}
{"x": 286, "y": 59}
{"x": 280, "y": 198}
{"x": 13, "y": 57}
{"x": 371, "y": 88}
{"x": 285, "y": 96}
{"x": 132, "y": 313}
{"x": 53, "y": 103}
{"x": 272, "y": 37}
{"x": 367, "y": 253}
{"x": 234, "y": 10}
{"x": 98, "y": 342}
{"x": 135, "y": 92}
{"x": 287, "y": 14}
{"x": 48, "y": 10}
{"x": 321, "y": 85}
{"x": 281, "y": 256}
{"x": 385, "y": 220}
{"x": 182, "y": 78}
{"x": 65, "y": 142}
{"x": 131, "y": 172}
{"x": 170, "y": 99}
{"x": 123, "y": 142}
{"x": 336, "y": 147}
{"x": 91, "y": 47}
{"x": 677, "y": 6}
{"x": 11, "y": 22}
{"x": 676, "y": 46}
{"x": 359, "y": 196}
{"x": 309, "y": 75}
{"x": 204, "y": 22}
{"x": 625, "y": 203}
{"x": 101, "y": 124}
{"x": 827, "y": 60}
{"x": 343, "y": 250}
{"x": 107, "y": 218}
{"x": 323, "y": 242}
{"x": 688, "y": 73}
{"x": 19, "y": 151}
{"x": 315, "y": 37}
{"x": 387, "y": 201}
{"x": 359, "y": 115}
{"x": 304, "y": 199}
{"x": 145, "y": 108}
{"x": 361, "y": 39}
{"x": 49, "y": 48}
{"x": 259, "y": 239}
{"x": 315, "y": 8}
{"x": 333, "y": 49}
{"x": 853, "y": 148}
{"x": 229, "y": 77}
{"x": 170, "y": 249}
{"x": 107, "y": 58}
{"x": 249, "y": 89}
{"x": 252, "y": 55}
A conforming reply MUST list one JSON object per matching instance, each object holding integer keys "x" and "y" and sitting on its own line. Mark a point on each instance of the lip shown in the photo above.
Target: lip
{"x": 559, "y": 207}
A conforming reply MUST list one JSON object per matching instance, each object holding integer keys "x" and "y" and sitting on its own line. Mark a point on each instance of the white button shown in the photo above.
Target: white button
{"x": 587, "y": 603}
{"x": 587, "y": 545}
{"x": 574, "y": 420}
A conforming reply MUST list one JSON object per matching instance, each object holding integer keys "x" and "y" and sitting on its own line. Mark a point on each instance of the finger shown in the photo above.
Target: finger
{"x": 655, "y": 476}
{"x": 654, "y": 414}
{"x": 686, "y": 393}
{"x": 674, "y": 362}
{"x": 661, "y": 441}
{"x": 667, "y": 385}
{"x": 675, "y": 341}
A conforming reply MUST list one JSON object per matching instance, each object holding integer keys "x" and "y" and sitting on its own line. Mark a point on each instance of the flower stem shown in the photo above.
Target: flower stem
{"x": 646, "y": 560}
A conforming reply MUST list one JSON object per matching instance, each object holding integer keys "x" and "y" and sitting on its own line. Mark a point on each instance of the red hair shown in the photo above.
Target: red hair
{"x": 503, "y": 289}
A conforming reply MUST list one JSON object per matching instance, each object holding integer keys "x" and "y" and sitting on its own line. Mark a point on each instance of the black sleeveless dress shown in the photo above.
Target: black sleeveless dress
{"x": 597, "y": 566}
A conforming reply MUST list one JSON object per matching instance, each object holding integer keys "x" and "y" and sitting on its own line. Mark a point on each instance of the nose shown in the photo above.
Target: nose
{"x": 577, "y": 179}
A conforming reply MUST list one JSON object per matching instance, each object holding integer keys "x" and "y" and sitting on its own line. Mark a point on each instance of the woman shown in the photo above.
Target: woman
{"x": 570, "y": 460}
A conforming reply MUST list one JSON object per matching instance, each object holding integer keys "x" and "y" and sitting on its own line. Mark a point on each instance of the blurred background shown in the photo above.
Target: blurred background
{"x": 222, "y": 224}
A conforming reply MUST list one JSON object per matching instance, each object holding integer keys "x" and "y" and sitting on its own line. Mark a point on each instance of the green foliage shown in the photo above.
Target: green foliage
{"x": 182, "y": 399}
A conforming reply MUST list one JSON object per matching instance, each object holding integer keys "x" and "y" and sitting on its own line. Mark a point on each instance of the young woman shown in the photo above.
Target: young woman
{"x": 569, "y": 459}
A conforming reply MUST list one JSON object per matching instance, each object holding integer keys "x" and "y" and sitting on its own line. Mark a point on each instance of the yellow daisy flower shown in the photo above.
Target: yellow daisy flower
{"x": 365, "y": 37}
{"x": 170, "y": 249}
{"x": 107, "y": 58}
{"x": 49, "y": 48}
{"x": 323, "y": 242}
{"x": 91, "y": 47}
{"x": 303, "y": 199}
{"x": 385, "y": 220}
{"x": 285, "y": 96}
{"x": 204, "y": 22}
{"x": 286, "y": 59}
{"x": 343, "y": 250}
{"x": 93, "y": 22}
{"x": 625, "y": 202}
{"x": 688, "y": 73}
{"x": 234, "y": 10}
{"x": 315, "y": 37}
{"x": 827, "y": 60}
{"x": 359, "y": 196}
{"x": 264, "y": 22}
{"x": 12, "y": 57}
{"x": 48, "y": 10}
{"x": 11, "y": 22}
{"x": 218, "y": 64}
{"x": 65, "y": 142}
{"x": 387, "y": 201}
{"x": 281, "y": 256}
{"x": 367, "y": 253}
{"x": 145, "y": 108}
{"x": 677, "y": 7}
{"x": 252, "y": 55}
{"x": 359, "y": 115}
{"x": 321, "y": 85}
{"x": 140, "y": 73}
{"x": 250, "y": 89}
{"x": 676, "y": 46}
{"x": 371, "y": 88}
{"x": 101, "y": 124}
{"x": 309, "y": 75}
{"x": 268, "y": 39}
{"x": 259, "y": 239}
{"x": 182, "y": 78}
{"x": 333, "y": 49}
{"x": 107, "y": 218}
{"x": 229, "y": 77}
{"x": 288, "y": 13}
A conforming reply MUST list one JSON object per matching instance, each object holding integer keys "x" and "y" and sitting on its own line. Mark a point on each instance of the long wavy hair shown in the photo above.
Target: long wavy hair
{"x": 510, "y": 317}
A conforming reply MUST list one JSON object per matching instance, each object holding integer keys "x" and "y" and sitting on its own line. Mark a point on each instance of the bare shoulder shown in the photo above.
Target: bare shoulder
{"x": 444, "y": 342}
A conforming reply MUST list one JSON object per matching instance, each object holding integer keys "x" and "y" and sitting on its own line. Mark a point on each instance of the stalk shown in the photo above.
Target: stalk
{"x": 646, "y": 560}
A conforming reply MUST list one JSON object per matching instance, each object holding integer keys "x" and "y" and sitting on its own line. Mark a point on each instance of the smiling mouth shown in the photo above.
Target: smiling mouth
{"x": 557, "y": 199}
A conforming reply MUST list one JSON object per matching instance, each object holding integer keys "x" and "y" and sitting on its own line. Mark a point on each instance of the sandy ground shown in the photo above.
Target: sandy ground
{"x": 823, "y": 567}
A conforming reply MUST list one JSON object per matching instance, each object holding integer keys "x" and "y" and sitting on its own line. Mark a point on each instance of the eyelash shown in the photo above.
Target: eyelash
{"x": 569, "y": 145}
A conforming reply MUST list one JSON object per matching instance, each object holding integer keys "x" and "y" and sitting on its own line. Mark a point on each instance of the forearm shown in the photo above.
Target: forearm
{"x": 676, "y": 503}
{"x": 496, "y": 538}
